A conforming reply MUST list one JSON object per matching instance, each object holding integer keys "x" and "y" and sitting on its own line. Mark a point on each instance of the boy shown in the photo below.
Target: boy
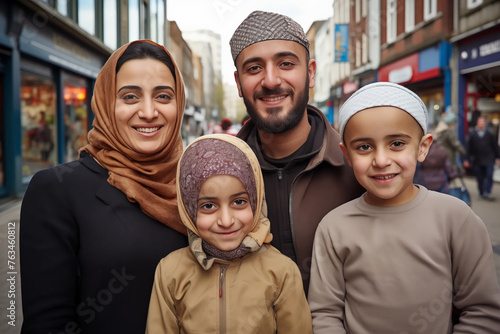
{"x": 397, "y": 259}
{"x": 229, "y": 279}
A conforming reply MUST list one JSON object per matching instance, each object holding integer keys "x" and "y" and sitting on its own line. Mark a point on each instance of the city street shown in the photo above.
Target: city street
{"x": 10, "y": 294}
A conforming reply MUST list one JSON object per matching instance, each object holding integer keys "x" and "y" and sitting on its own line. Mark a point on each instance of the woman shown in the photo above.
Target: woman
{"x": 93, "y": 230}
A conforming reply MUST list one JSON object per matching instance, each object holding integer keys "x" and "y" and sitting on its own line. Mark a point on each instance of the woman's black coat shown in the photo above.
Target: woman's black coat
{"x": 88, "y": 255}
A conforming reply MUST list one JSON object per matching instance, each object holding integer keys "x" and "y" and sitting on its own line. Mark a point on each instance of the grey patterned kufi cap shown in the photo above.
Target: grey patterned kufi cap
{"x": 383, "y": 94}
{"x": 209, "y": 157}
{"x": 264, "y": 26}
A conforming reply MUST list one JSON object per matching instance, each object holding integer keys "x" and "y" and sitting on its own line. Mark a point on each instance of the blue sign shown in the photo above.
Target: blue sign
{"x": 341, "y": 43}
{"x": 479, "y": 51}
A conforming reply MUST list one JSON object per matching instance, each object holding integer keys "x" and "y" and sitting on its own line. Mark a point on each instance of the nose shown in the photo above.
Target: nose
{"x": 225, "y": 218}
{"x": 148, "y": 110}
{"x": 271, "y": 78}
{"x": 381, "y": 159}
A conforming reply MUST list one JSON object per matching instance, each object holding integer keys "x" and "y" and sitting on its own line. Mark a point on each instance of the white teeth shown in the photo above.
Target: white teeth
{"x": 272, "y": 99}
{"x": 148, "y": 130}
{"x": 384, "y": 177}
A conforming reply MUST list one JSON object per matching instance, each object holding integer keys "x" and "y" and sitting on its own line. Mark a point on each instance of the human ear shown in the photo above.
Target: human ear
{"x": 311, "y": 68}
{"x": 424, "y": 146}
{"x": 238, "y": 84}
{"x": 346, "y": 153}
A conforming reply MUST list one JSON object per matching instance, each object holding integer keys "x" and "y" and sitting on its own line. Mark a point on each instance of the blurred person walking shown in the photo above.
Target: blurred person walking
{"x": 436, "y": 171}
{"x": 482, "y": 154}
{"x": 445, "y": 134}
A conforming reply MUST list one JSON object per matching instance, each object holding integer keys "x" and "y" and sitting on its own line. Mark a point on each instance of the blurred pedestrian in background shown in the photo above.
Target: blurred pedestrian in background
{"x": 482, "y": 154}
{"x": 93, "y": 230}
{"x": 436, "y": 171}
{"x": 445, "y": 134}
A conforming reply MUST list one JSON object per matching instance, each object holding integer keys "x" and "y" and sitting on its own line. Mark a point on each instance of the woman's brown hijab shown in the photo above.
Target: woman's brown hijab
{"x": 148, "y": 179}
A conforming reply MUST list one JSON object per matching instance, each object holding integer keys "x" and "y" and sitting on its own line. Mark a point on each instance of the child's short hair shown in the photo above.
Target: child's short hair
{"x": 380, "y": 94}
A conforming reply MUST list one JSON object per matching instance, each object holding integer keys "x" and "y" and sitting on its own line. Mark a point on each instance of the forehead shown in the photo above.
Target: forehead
{"x": 271, "y": 49}
{"x": 146, "y": 70}
{"x": 220, "y": 183}
{"x": 380, "y": 121}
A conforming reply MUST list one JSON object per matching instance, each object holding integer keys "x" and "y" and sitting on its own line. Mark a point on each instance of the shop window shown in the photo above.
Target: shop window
{"x": 38, "y": 123}
{"x": 75, "y": 96}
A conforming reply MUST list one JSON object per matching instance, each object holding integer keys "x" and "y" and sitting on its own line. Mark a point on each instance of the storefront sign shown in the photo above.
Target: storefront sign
{"x": 400, "y": 75}
{"x": 479, "y": 51}
{"x": 341, "y": 43}
{"x": 350, "y": 87}
{"x": 53, "y": 47}
{"x": 413, "y": 68}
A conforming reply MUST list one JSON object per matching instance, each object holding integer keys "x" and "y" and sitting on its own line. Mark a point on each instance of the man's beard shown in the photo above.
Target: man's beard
{"x": 272, "y": 123}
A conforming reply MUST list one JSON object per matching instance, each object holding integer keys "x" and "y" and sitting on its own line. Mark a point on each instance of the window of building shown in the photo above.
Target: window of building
{"x": 38, "y": 123}
{"x": 358, "y": 52}
{"x": 75, "y": 115}
{"x": 391, "y": 27}
{"x": 474, "y": 3}
{"x": 409, "y": 15}
{"x": 143, "y": 20}
{"x": 364, "y": 55}
{"x": 86, "y": 15}
{"x": 133, "y": 20}
{"x": 358, "y": 10}
{"x": 430, "y": 9}
{"x": 364, "y": 8}
{"x": 153, "y": 20}
{"x": 110, "y": 29}
{"x": 161, "y": 22}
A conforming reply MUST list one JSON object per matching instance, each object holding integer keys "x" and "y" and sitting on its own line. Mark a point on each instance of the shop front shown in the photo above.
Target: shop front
{"x": 427, "y": 74}
{"x": 479, "y": 79}
{"x": 46, "y": 80}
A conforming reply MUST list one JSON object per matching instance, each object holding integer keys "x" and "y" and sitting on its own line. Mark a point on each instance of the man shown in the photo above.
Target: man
{"x": 482, "y": 152}
{"x": 304, "y": 170}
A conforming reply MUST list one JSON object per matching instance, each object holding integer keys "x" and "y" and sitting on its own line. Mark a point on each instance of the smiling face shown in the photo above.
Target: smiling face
{"x": 145, "y": 105}
{"x": 383, "y": 145}
{"x": 274, "y": 78}
{"x": 224, "y": 216}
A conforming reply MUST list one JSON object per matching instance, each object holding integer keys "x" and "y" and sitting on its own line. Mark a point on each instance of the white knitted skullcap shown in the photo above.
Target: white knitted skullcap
{"x": 263, "y": 26}
{"x": 381, "y": 94}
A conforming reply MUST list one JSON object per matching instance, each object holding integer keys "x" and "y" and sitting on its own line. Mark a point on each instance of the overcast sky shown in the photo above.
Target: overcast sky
{"x": 224, "y": 16}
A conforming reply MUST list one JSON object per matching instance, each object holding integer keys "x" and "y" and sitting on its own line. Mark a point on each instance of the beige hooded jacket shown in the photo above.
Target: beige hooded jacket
{"x": 260, "y": 292}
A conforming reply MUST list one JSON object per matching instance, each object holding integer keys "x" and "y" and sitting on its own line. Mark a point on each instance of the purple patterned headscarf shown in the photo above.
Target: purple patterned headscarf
{"x": 209, "y": 157}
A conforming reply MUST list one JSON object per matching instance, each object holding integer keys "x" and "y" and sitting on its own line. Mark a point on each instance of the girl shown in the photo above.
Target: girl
{"x": 229, "y": 279}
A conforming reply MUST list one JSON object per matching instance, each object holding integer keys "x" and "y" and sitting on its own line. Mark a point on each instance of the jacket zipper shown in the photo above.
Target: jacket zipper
{"x": 222, "y": 299}
{"x": 294, "y": 242}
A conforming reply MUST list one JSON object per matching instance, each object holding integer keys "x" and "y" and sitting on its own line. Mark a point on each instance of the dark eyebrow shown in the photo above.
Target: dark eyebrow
{"x": 164, "y": 87}
{"x": 276, "y": 56}
{"x": 132, "y": 87}
{"x": 211, "y": 198}
{"x": 129, "y": 87}
{"x": 392, "y": 136}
